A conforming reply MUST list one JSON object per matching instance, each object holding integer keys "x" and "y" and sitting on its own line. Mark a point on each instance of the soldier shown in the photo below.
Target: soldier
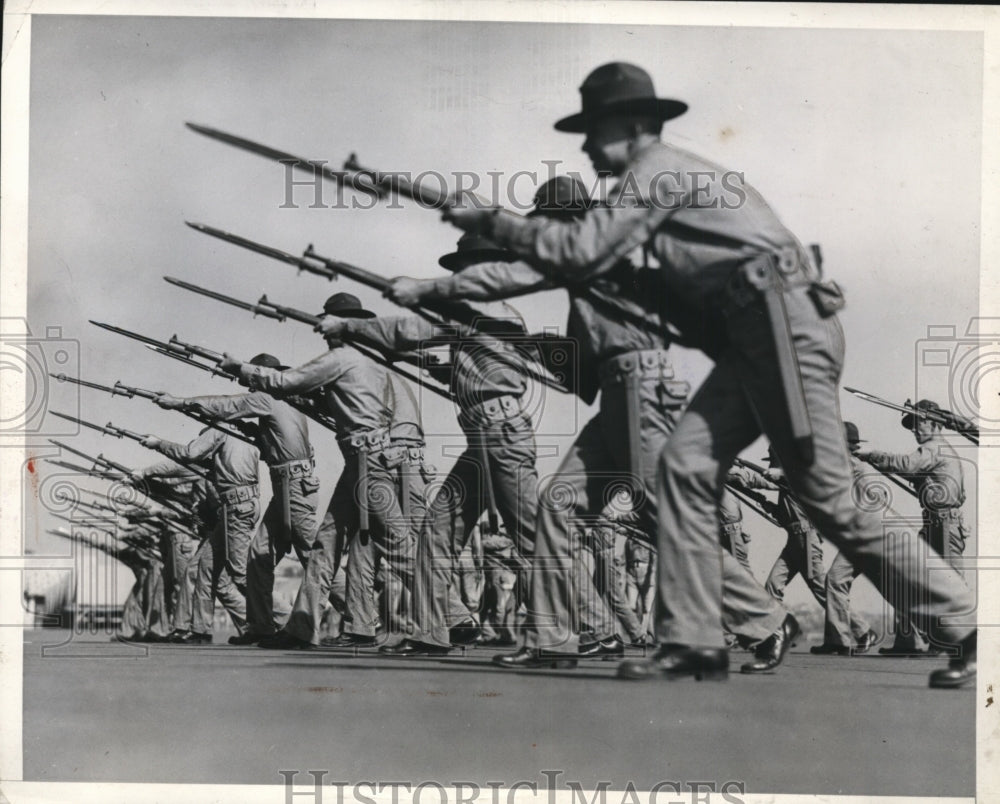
{"x": 381, "y": 438}
{"x": 623, "y": 354}
{"x": 935, "y": 472}
{"x": 232, "y": 465}
{"x": 746, "y": 293}
{"x": 290, "y": 517}
{"x": 488, "y": 383}
{"x": 733, "y": 537}
{"x": 803, "y": 550}
{"x": 839, "y": 632}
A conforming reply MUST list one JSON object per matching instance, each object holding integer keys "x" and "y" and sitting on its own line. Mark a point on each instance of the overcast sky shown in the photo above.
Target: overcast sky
{"x": 867, "y": 142}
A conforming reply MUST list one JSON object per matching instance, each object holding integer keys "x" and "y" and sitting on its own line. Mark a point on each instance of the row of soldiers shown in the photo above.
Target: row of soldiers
{"x": 727, "y": 279}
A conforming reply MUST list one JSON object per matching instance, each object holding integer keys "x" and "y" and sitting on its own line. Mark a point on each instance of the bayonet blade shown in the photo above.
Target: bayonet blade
{"x": 311, "y": 166}
{"x": 256, "y": 309}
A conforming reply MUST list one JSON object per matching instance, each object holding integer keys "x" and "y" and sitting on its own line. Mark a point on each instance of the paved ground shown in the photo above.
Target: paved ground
{"x": 99, "y": 711}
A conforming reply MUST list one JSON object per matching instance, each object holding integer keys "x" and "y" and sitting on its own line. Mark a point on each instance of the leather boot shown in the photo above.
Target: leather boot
{"x": 961, "y": 670}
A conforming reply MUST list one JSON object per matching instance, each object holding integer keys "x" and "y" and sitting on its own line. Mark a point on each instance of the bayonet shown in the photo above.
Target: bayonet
{"x": 944, "y": 417}
{"x": 351, "y": 178}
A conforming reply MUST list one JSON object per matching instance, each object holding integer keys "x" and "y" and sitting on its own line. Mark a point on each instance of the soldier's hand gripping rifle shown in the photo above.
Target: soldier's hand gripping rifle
{"x": 755, "y": 501}
{"x": 279, "y": 312}
{"x": 947, "y": 419}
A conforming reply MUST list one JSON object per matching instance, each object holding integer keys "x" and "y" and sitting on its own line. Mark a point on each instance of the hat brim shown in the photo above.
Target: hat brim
{"x": 360, "y": 313}
{"x": 457, "y": 260}
{"x": 662, "y": 108}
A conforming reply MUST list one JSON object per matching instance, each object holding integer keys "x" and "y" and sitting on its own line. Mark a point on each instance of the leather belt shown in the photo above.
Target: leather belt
{"x": 374, "y": 440}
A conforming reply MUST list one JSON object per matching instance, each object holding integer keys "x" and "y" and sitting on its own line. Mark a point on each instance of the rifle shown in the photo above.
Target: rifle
{"x": 945, "y": 418}
{"x": 240, "y": 430}
{"x": 467, "y": 321}
{"x": 161, "y": 495}
{"x": 280, "y": 312}
{"x": 331, "y": 269}
{"x": 120, "y": 432}
{"x": 755, "y": 502}
{"x": 383, "y": 183}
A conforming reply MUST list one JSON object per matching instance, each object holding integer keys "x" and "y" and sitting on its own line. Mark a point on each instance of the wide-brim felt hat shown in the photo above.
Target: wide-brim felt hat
{"x": 929, "y": 405}
{"x": 345, "y": 305}
{"x": 267, "y": 361}
{"x": 473, "y": 248}
{"x": 852, "y": 434}
{"x": 619, "y": 88}
{"x": 561, "y": 197}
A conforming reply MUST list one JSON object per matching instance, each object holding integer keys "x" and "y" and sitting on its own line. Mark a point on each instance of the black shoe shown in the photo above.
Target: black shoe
{"x": 533, "y": 658}
{"x": 413, "y": 647}
{"x": 248, "y": 638}
{"x": 177, "y": 635}
{"x": 149, "y": 636}
{"x": 348, "y": 640}
{"x": 496, "y": 642}
{"x": 611, "y": 648}
{"x": 868, "y": 641}
{"x": 464, "y": 633}
{"x": 961, "y": 670}
{"x": 194, "y": 639}
{"x": 826, "y": 649}
{"x": 282, "y": 640}
{"x": 770, "y": 653}
{"x": 677, "y": 661}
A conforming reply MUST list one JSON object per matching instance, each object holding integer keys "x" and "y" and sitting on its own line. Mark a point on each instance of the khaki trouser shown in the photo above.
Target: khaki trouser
{"x": 596, "y": 464}
{"x": 184, "y": 547}
{"x": 392, "y": 533}
{"x": 509, "y": 447}
{"x": 218, "y": 558}
{"x": 842, "y": 627}
{"x": 740, "y": 399}
{"x": 945, "y": 534}
{"x": 273, "y": 542}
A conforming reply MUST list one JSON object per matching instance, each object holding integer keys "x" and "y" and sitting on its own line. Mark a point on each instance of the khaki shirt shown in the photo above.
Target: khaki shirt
{"x": 483, "y": 366}
{"x": 700, "y": 221}
{"x": 283, "y": 433}
{"x": 933, "y": 469}
{"x": 231, "y": 462}
{"x": 600, "y": 330}
{"x": 360, "y": 395}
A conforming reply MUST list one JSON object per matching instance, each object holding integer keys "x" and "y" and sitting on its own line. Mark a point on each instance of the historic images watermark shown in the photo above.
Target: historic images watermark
{"x": 664, "y": 190}
{"x": 315, "y": 785}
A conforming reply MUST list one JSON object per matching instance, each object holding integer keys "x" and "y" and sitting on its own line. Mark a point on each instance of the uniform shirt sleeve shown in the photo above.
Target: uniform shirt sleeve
{"x": 235, "y": 406}
{"x": 643, "y": 200}
{"x": 395, "y": 333}
{"x": 490, "y": 281}
{"x": 319, "y": 371}
{"x": 745, "y": 478}
{"x": 200, "y": 449}
{"x": 922, "y": 460}
{"x": 169, "y": 472}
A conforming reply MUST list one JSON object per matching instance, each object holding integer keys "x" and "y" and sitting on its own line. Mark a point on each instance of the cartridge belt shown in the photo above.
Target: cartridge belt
{"x": 238, "y": 494}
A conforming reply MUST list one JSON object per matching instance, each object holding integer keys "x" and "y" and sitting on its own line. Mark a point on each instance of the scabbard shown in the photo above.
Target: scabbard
{"x": 633, "y": 426}
{"x": 285, "y": 490}
{"x": 404, "y": 490}
{"x": 492, "y": 516}
{"x": 225, "y": 533}
{"x": 764, "y": 276}
{"x": 809, "y": 540}
{"x": 363, "y": 517}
